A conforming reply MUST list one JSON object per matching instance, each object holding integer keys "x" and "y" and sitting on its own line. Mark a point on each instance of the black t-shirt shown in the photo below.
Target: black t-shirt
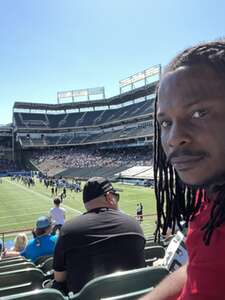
{"x": 98, "y": 242}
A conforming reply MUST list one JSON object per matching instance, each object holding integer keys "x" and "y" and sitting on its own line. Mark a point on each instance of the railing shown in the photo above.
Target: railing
{"x": 147, "y": 222}
{"x": 9, "y": 235}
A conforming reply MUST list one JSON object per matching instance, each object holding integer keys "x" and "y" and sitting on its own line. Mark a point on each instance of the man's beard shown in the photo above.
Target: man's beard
{"x": 213, "y": 184}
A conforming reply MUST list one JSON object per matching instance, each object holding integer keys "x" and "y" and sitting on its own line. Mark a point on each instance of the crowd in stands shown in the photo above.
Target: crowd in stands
{"x": 72, "y": 157}
{"x": 7, "y": 165}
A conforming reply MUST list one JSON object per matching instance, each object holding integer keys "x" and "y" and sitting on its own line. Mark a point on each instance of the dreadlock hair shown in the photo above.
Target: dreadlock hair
{"x": 174, "y": 198}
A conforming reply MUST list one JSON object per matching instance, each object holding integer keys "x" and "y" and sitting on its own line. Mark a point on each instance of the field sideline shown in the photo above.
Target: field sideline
{"x": 21, "y": 206}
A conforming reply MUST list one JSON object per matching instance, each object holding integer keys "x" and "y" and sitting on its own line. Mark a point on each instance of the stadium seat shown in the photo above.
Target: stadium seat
{"x": 130, "y": 296}
{"x": 45, "y": 294}
{"x": 47, "y": 265}
{"x": 153, "y": 253}
{"x": 151, "y": 243}
{"x": 42, "y": 259}
{"x": 12, "y": 258}
{"x": 7, "y": 262}
{"x": 150, "y": 237}
{"x": 121, "y": 283}
{"x": 20, "y": 281}
{"x": 18, "y": 266}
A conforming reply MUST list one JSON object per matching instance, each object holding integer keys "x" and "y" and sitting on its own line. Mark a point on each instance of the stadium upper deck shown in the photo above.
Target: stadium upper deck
{"x": 124, "y": 117}
{"x": 86, "y": 113}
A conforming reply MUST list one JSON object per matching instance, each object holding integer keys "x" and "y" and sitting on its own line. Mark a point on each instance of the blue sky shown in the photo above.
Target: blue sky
{"x": 51, "y": 45}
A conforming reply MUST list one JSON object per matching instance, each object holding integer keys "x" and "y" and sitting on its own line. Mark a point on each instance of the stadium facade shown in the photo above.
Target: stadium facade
{"x": 121, "y": 121}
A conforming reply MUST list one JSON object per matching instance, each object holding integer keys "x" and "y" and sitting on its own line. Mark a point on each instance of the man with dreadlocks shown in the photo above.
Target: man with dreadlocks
{"x": 189, "y": 168}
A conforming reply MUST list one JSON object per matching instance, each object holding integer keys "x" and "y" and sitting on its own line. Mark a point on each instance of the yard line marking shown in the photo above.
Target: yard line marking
{"x": 44, "y": 196}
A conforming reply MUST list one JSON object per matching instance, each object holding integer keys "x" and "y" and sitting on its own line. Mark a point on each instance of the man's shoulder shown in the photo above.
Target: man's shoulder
{"x": 122, "y": 218}
{"x": 73, "y": 222}
{"x": 110, "y": 215}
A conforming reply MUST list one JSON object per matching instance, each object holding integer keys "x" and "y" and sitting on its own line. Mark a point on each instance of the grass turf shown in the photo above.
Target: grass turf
{"x": 21, "y": 206}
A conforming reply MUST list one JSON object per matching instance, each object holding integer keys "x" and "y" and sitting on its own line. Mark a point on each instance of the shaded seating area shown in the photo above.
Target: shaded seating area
{"x": 42, "y": 259}
{"x": 16, "y": 266}
{"x": 47, "y": 266}
{"x": 45, "y": 294}
{"x": 87, "y": 118}
{"x": 130, "y": 296}
{"x": 19, "y": 281}
{"x": 18, "y": 275}
{"x": 121, "y": 285}
{"x": 22, "y": 279}
{"x": 12, "y": 260}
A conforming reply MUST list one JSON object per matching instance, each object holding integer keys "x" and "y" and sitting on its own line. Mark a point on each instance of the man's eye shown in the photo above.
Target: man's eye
{"x": 164, "y": 124}
{"x": 198, "y": 114}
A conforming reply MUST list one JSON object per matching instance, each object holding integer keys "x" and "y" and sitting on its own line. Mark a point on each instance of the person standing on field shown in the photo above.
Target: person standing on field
{"x": 57, "y": 215}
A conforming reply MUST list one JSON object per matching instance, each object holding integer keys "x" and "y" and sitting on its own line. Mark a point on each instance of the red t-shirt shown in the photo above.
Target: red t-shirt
{"x": 206, "y": 267}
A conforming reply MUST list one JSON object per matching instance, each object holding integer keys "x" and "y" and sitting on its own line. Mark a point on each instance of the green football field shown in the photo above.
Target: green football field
{"x": 20, "y": 206}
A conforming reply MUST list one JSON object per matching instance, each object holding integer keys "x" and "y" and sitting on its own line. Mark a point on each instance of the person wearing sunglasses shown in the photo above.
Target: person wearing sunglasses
{"x": 100, "y": 241}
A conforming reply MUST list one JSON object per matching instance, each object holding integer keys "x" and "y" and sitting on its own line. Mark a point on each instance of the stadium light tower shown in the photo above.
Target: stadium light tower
{"x": 84, "y": 94}
{"x": 149, "y": 75}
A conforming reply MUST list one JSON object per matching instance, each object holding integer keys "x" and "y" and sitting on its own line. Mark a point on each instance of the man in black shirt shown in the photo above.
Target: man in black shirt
{"x": 101, "y": 241}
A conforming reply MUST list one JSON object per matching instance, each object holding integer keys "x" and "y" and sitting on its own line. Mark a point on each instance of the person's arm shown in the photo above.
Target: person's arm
{"x": 59, "y": 282}
{"x": 60, "y": 276}
{"x": 10, "y": 253}
{"x": 59, "y": 266}
{"x": 170, "y": 287}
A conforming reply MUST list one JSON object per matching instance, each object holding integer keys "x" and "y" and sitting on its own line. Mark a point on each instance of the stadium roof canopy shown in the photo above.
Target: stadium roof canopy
{"x": 6, "y": 130}
{"x": 124, "y": 97}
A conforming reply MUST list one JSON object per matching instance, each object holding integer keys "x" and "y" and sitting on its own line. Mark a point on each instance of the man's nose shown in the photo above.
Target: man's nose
{"x": 178, "y": 135}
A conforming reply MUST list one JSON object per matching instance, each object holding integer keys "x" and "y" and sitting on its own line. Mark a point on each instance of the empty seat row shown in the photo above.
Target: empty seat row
{"x": 77, "y": 119}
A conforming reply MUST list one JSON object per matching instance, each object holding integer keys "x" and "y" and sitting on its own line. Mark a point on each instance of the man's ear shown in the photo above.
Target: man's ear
{"x": 109, "y": 198}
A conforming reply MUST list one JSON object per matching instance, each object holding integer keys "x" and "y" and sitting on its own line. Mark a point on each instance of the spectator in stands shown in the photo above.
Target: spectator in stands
{"x": 100, "y": 241}
{"x": 87, "y": 158}
{"x": 57, "y": 215}
{"x": 20, "y": 242}
{"x": 43, "y": 244}
{"x": 190, "y": 148}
